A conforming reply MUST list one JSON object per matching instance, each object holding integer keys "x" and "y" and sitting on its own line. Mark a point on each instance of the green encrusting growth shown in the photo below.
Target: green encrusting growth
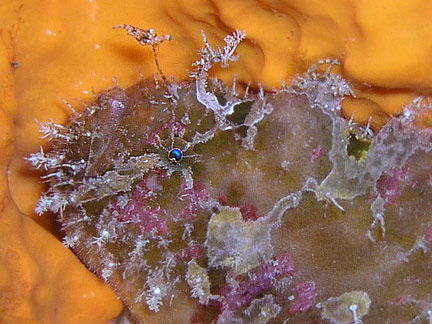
{"x": 200, "y": 205}
{"x": 357, "y": 147}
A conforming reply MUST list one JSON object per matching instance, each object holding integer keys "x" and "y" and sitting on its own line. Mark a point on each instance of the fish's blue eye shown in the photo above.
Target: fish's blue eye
{"x": 175, "y": 155}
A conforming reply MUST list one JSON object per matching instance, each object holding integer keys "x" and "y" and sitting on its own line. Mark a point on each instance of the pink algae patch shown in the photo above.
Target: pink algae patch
{"x": 428, "y": 235}
{"x": 316, "y": 153}
{"x": 305, "y": 294}
{"x": 149, "y": 219}
{"x": 188, "y": 253}
{"x": 248, "y": 211}
{"x": 195, "y": 197}
{"x": 257, "y": 281}
{"x": 401, "y": 300}
{"x": 388, "y": 185}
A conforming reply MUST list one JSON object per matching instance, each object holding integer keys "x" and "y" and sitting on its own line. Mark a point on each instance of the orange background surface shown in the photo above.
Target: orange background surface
{"x": 67, "y": 49}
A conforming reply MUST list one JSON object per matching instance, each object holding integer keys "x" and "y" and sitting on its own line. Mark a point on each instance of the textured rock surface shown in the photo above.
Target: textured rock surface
{"x": 276, "y": 206}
